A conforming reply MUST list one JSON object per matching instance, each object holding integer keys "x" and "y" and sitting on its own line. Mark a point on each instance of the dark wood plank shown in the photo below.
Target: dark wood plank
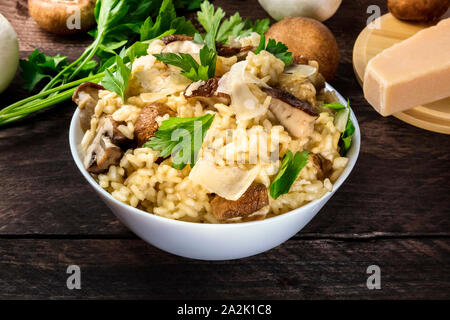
{"x": 315, "y": 269}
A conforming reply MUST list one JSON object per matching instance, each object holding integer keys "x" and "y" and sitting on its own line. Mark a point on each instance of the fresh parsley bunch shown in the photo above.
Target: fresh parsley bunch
{"x": 119, "y": 24}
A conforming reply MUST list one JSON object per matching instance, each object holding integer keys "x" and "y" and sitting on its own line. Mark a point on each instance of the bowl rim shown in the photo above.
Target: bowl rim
{"x": 354, "y": 153}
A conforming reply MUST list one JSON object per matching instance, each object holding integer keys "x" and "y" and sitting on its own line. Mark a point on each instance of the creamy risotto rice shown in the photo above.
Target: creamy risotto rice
{"x": 252, "y": 142}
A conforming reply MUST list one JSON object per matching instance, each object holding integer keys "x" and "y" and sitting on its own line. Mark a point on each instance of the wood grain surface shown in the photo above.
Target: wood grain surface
{"x": 393, "y": 211}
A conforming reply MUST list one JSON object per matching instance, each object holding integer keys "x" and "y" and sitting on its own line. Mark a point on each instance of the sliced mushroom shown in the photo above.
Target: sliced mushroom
{"x": 176, "y": 43}
{"x": 297, "y": 116}
{"x": 118, "y": 138}
{"x": 323, "y": 166}
{"x": 102, "y": 152}
{"x": 146, "y": 124}
{"x": 229, "y": 51}
{"x": 86, "y": 97}
{"x": 176, "y": 37}
{"x": 254, "y": 202}
{"x": 207, "y": 92}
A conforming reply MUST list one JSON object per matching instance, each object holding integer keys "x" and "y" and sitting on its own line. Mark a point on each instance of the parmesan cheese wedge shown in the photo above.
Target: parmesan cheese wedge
{"x": 228, "y": 182}
{"x": 410, "y": 73}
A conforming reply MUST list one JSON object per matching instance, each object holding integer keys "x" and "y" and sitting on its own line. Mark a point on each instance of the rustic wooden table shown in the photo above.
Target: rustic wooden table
{"x": 393, "y": 211}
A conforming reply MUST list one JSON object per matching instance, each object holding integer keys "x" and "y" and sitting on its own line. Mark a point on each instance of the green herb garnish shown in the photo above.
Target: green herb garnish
{"x": 190, "y": 68}
{"x": 117, "y": 82}
{"x": 181, "y": 138}
{"x": 345, "y": 141}
{"x": 278, "y": 49}
{"x": 39, "y": 66}
{"x": 346, "y": 137}
{"x": 235, "y": 26}
{"x": 165, "y": 24}
{"x": 288, "y": 173}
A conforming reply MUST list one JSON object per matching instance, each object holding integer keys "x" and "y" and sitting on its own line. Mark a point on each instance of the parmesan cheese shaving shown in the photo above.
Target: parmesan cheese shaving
{"x": 228, "y": 182}
{"x": 243, "y": 102}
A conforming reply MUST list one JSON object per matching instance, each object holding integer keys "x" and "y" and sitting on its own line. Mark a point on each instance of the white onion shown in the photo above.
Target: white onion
{"x": 9, "y": 53}
{"x": 317, "y": 9}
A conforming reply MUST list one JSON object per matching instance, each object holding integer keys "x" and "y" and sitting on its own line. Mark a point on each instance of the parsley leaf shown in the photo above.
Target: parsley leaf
{"x": 288, "y": 173}
{"x": 230, "y": 27}
{"x": 166, "y": 23}
{"x": 188, "y": 5}
{"x": 345, "y": 141}
{"x": 38, "y": 66}
{"x": 189, "y": 66}
{"x": 181, "y": 138}
{"x": 235, "y": 26}
{"x": 117, "y": 82}
{"x": 259, "y": 26}
{"x": 278, "y": 49}
{"x": 210, "y": 18}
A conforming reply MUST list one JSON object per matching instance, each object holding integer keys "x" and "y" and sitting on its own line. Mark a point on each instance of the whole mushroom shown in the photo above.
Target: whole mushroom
{"x": 418, "y": 10}
{"x": 308, "y": 39}
{"x": 63, "y": 16}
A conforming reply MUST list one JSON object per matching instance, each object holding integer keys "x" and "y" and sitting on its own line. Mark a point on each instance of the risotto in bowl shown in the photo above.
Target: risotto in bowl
{"x": 221, "y": 168}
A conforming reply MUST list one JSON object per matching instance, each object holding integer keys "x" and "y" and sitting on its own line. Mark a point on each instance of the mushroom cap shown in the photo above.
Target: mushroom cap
{"x": 60, "y": 16}
{"x": 418, "y": 10}
{"x": 310, "y": 40}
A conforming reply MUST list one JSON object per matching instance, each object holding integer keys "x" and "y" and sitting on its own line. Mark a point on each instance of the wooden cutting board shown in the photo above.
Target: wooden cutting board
{"x": 434, "y": 116}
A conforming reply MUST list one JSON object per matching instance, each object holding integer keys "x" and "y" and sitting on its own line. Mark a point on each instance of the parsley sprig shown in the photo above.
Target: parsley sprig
{"x": 290, "y": 169}
{"x": 181, "y": 138}
{"x": 235, "y": 26}
{"x": 278, "y": 49}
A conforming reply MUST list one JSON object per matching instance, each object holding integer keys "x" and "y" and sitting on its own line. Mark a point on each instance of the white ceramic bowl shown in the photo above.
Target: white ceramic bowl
{"x": 212, "y": 241}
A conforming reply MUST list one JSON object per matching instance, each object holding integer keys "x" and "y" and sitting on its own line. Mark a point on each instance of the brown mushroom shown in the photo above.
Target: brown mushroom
{"x": 253, "y": 202}
{"x": 146, "y": 124}
{"x": 308, "y": 39}
{"x": 297, "y": 116}
{"x": 322, "y": 165}
{"x": 86, "y": 97}
{"x": 207, "y": 92}
{"x": 62, "y": 16}
{"x": 418, "y": 10}
{"x": 102, "y": 152}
